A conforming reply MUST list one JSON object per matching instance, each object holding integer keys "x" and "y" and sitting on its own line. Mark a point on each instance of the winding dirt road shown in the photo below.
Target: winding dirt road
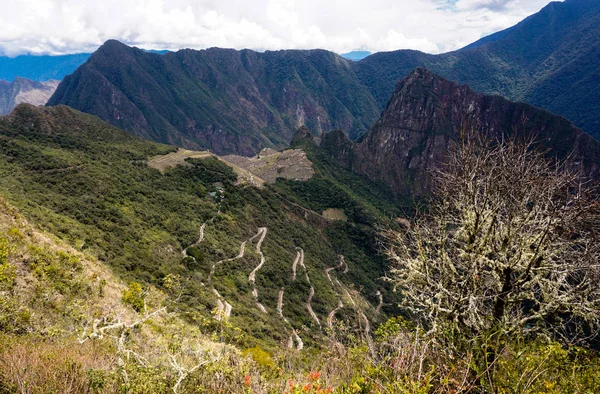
{"x": 330, "y": 317}
{"x": 312, "y": 313}
{"x": 262, "y": 232}
{"x": 200, "y": 239}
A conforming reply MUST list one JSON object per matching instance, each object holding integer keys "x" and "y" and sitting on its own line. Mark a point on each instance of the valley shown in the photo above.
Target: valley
{"x": 296, "y": 221}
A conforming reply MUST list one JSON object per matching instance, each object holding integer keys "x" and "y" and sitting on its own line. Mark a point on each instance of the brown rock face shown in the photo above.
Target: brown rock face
{"x": 24, "y": 91}
{"x": 426, "y": 114}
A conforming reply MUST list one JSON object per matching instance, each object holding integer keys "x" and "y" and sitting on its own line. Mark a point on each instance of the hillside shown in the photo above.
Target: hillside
{"x": 26, "y": 91}
{"x": 225, "y": 100}
{"x": 427, "y": 114}
{"x": 90, "y": 184}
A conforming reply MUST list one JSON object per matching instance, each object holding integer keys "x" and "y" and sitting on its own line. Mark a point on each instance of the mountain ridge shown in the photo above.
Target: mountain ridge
{"x": 242, "y": 101}
{"x": 425, "y": 117}
{"x": 227, "y": 100}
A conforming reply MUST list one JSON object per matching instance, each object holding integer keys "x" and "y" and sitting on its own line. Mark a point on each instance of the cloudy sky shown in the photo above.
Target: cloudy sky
{"x": 70, "y": 26}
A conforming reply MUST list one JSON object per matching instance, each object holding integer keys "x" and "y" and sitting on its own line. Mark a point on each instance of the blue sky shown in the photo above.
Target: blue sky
{"x": 434, "y": 26}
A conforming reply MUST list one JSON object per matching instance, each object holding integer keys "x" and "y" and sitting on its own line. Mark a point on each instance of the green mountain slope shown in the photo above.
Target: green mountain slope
{"x": 226, "y": 100}
{"x": 89, "y": 183}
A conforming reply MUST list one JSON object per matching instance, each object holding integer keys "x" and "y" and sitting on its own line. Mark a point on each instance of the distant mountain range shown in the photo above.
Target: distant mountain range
{"x": 226, "y": 100}
{"x": 40, "y": 68}
{"x": 243, "y": 101}
{"x": 22, "y": 90}
{"x": 550, "y": 60}
{"x": 356, "y": 55}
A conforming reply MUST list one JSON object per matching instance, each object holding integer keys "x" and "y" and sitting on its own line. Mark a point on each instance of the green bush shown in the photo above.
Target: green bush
{"x": 134, "y": 296}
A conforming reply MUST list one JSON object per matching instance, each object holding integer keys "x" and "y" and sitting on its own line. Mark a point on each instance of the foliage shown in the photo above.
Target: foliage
{"x": 89, "y": 184}
{"x": 134, "y": 296}
{"x": 7, "y": 271}
{"x": 260, "y": 357}
{"x": 508, "y": 247}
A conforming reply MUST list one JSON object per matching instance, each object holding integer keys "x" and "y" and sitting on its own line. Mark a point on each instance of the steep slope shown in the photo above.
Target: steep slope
{"x": 23, "y": 90}
{"x": 228, "y": 101}
{"x": 90, "y": 183}
{"x": 426, "y": 114}
{"x": 40, "y": 68}
{"x": 549, "y": 60}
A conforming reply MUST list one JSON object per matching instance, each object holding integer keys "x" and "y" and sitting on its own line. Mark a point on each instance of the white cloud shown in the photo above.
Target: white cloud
{"x": 69, "y": 26}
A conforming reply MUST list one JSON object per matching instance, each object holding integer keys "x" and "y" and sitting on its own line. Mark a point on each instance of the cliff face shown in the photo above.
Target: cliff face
{"x": 225, "y": 100}
{"x": 26, "y": 91}
{"x": 426, "y": 114}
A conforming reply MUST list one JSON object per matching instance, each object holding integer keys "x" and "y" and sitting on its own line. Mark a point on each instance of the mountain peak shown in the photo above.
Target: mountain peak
{"x": 426, "y": 116}
{"x": 113, "y": 48}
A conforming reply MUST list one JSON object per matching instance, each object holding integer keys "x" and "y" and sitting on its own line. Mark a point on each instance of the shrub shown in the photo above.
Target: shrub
{"x": 134, "y": 296}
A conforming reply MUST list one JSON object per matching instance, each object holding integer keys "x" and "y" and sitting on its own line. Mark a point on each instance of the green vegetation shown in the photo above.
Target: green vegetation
{"x": 68, "y": 324}
{"x": 88, "y": 183}
{"x": 251, "y": 98}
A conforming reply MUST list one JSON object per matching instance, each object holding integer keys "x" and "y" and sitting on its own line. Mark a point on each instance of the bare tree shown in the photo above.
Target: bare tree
{"x": 509, "y": 245}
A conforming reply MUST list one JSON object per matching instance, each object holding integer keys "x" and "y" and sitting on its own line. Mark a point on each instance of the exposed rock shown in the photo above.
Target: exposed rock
{"x": 270, "y": 165}
{"x": 24, "y": 91}
{"x": 424, "y": 117}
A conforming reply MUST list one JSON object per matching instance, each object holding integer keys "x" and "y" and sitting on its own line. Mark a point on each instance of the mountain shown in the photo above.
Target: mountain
{"x": 139, "y": 207}
{"x": 549, "y": 60}
{"x": 242, "y": 101}
{"x": 426, "y": 114}
{"x": 356, "y": 55}
{"x": 225, "y": 100}
{"x": 40, "y": 67}
{"x": 23, "y": 90}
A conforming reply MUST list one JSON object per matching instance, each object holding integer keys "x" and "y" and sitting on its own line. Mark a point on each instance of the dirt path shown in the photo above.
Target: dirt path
{"x": 331, "y": 314}
{"x": 365, "y": 321}
{"x": 200, "y": 239}
{"x": 295, "y": 264}
{"x": 239, "y": 256}
{"x": 342, "y": 264}
{"x": 280, "y": 304}
{"x": 312, "y": 313}
{"x": 294, "y": 337}
{"x": 223, "y": 307}
{"x": 262, "y": 233}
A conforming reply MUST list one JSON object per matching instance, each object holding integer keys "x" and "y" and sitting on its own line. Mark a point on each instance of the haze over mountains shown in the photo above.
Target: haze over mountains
{"x": 40, "y": 68}
{"x": 242, "y": 101}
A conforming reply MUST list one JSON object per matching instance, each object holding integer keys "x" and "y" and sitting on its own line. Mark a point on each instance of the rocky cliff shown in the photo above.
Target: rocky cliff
{"x": 23, "y": 90}
{"x": 426, "y": 114}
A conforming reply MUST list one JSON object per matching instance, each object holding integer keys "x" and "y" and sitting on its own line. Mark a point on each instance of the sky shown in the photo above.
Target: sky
{"x": 433, "y": 26}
